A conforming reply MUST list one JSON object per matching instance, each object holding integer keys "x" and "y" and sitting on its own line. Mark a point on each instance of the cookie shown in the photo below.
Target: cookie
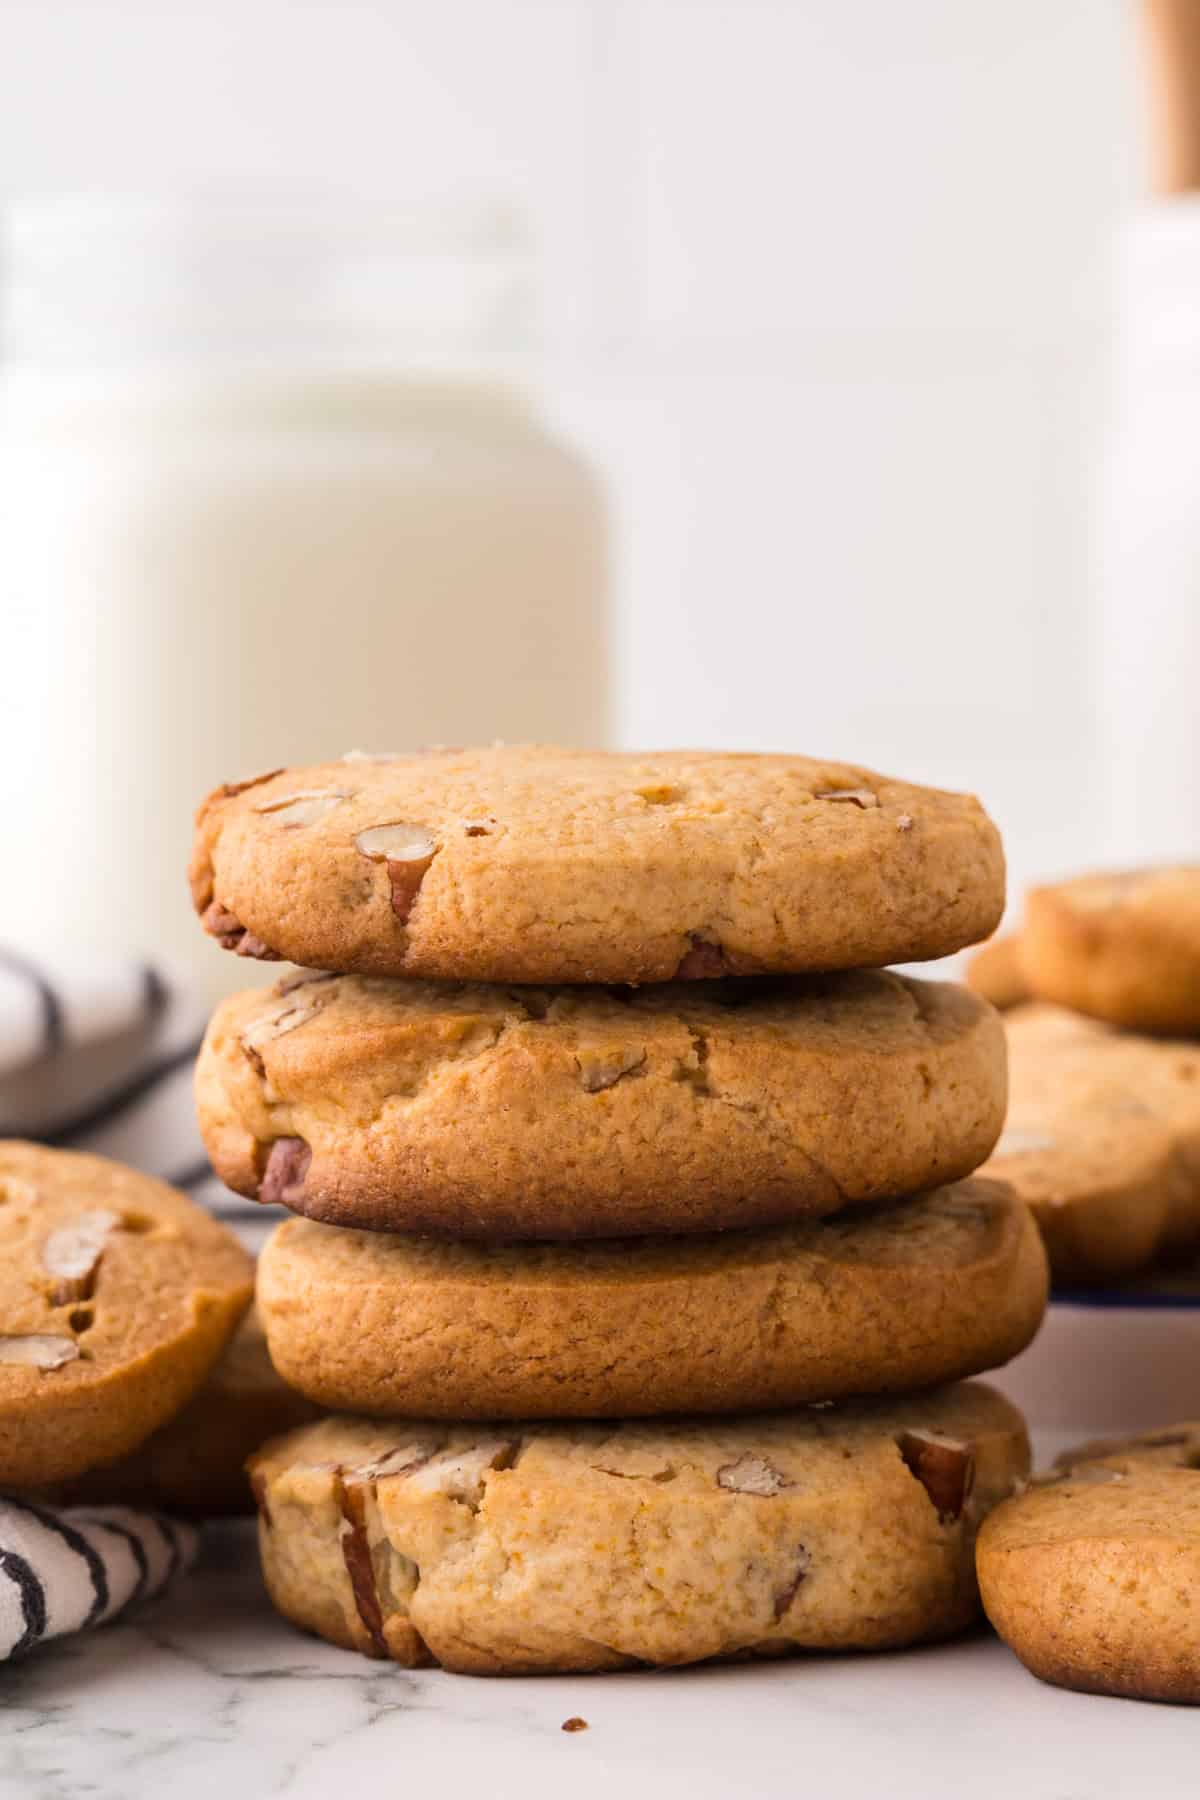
{"x": 117, "y": 1296}
{"x": 535, "y": 1549}
{"x": 994, "y": 973}
{"x": 1164, "y": 1447}
{"x": 532, "y": 864}
{"x": 194, "y": 1466}
{"x": 874, "y": 1301}
{"x": 1091, "y": 1576}
{"x": 585, "y": 1112}
{"x": 1102, "y": 1141}
{"x": 1122, "y": 947}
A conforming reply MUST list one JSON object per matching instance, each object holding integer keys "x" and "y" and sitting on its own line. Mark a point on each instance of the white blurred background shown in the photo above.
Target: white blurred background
{"x": 827, "y": 297}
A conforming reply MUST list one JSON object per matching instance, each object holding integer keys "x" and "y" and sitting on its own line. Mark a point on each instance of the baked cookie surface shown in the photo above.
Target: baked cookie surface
{"x": 517, "y": 1550}
{"x": 194, "y": 1465}
{"x": 533, "y": 864}
{"x": 1091, "y": 1576}
{"x": 875, "y": 1300}
{"x": 1123, "y": 947}
{"x": 551, "y": 1112}
{"x": 117, "y": 1296}
{"x": 1102, "y": 1141}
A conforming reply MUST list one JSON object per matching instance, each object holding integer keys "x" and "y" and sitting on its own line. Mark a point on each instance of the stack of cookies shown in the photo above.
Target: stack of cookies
{"x": 1103, "y": 1137}
{"x": 635, "y": 1256}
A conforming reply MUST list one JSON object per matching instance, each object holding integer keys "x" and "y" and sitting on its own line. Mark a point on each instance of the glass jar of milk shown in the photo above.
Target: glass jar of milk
{"x": 268, "y": 492}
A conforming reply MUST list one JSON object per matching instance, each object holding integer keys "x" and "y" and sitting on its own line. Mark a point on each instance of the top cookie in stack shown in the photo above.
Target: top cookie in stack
{"x": 530, "y": 864}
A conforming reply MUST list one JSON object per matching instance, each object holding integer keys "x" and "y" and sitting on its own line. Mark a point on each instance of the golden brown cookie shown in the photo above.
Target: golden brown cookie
{"x": 522, "y": 1550}
{"x": 117, "y": 1296}
{"x": 1163, "y": 1447}
{"x": 1092, "y": 1576}
{"x": 874, "y": 1301}
{"x": 195, "y": 1464}
{"x": 1102, "y": 1140}
{"x": 994, "y": 972}
{"x": 528, "y": 863}
{"x": 584, "y": 1112}
{"x": 1122, "y": 947}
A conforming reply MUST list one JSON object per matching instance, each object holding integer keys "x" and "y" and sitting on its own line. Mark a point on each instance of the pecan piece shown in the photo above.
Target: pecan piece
{"x": 307, "y": 807}
{"x": 38, "y": 1350}
{"x": 231, "y": 934}
{"x": 944, "y": 1466}
{"x": 753, "y": 1475}
{"x": 72, "y": 1255}
{"x": 705, "y": 961}
{"x": 356, "y": 1554}
{"x": 408, "y": 851}
{"x": 786, "y": 1592}
{"x": 283, "y": 1177}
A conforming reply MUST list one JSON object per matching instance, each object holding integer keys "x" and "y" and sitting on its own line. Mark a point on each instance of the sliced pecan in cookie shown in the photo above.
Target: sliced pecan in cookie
{"x": 944, "y": 1466}
{"x": 231, "y": 934}
{"x": 408, "y": 851}
{"x": 71, "y": 1255}
{"x": 286, "y": 1168}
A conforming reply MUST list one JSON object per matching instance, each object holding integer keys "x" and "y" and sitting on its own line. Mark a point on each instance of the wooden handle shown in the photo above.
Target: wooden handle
{"x": 1172, "y": 34}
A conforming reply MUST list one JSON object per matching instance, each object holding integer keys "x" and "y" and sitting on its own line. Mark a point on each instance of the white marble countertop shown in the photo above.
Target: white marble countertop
{"x": 209, "y": 1696}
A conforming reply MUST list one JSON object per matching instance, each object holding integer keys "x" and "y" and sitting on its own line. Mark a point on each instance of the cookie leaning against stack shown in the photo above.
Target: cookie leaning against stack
{"x": 575, "y": 1157}
{"x": 1091, "y": 1576}
{"x": 117, "y": 1296}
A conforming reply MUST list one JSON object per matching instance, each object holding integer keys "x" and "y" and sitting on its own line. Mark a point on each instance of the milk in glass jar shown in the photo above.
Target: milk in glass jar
{"x": 269, "y": 491}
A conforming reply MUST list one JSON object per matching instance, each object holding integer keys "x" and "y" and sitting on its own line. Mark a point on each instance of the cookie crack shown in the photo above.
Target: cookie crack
{"x": 784, "y": 1142}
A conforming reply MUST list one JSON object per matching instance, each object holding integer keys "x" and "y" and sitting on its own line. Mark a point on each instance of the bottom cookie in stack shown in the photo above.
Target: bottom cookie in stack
{"x": 567, "y": 1547}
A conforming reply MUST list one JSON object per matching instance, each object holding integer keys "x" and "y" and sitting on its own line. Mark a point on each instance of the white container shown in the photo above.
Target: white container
{"x": 264, "y": 499}
{"x": 1110, "y": 1363}
{"x": 1148, "y": 547}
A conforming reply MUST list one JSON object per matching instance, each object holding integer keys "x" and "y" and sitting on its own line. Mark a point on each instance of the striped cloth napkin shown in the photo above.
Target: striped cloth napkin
{"x": 99, "y": 1057}
{"x": 64, "y": 1569}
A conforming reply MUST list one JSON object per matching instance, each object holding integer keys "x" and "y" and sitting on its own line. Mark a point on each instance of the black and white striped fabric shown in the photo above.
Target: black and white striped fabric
{"x": 62, "y": 1569}
{"x": 99, "y": 1057}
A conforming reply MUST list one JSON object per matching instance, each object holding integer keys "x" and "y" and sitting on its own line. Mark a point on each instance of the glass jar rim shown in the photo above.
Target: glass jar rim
{"x": 94, "y": 279}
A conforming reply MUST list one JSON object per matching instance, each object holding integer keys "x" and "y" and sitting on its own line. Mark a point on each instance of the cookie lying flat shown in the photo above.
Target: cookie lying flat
{"x": 486, "y": 1111}
{"x": 117, "y": 1296}
{"x": 194, "y": 1466}
{"x": 994, "y": 973}
{"x": 1091, "y": 1577}
{"x": 1166, "y": 1447}
{"x": 1122, "y": 947}
{"x": 1102, "y": 1141}
{"x": 517, "y": 1550}
{"x": 528, "y": 863}
{"x": 877, "y": 1301}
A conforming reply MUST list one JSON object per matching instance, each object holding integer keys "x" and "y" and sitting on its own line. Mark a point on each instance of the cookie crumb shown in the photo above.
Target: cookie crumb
{"x": 904, "y": 822}
{"x": 575, "y": 1724}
